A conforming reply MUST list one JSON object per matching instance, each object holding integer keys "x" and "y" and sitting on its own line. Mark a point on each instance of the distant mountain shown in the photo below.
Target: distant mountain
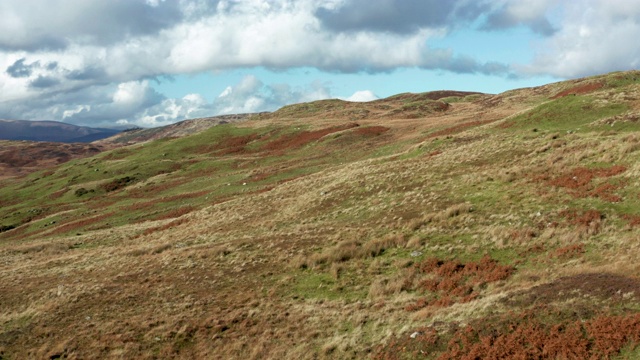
{"x": 52, "y": 131}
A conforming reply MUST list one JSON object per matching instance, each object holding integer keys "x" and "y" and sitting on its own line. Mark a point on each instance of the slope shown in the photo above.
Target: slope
{"x": 493, "y": 226}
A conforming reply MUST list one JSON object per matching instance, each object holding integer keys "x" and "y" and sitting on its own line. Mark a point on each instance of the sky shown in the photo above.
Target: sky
{"x": 108, "y": 63}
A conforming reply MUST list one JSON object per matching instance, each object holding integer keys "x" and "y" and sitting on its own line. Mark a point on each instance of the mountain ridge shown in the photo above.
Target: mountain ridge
{"x": 51, "y": 131}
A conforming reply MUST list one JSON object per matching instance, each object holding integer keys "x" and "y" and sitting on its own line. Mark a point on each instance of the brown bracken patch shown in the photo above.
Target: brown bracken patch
{"x": 586, "y": 219}
{"x": 634, "y": 220}
{"x": 520, "y": 336}
{"x": 579, "y": 182}
{"x": 227, "y": 146}
{"x": 298, "y": 140}
{"x": 569, "y": 251}
{"x": 579, "y": 89}
{"x": 453, "y": 281}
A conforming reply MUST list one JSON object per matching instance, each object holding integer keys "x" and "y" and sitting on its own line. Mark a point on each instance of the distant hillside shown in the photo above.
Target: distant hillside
{"x": 23, "y": 157}
{"x": 51, "y": 131}
{"x": 179, "y": 129}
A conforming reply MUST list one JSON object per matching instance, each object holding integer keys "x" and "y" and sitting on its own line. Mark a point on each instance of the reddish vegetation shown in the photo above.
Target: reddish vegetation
{"x": 587, "y": 219}
{"x": 579, "y": 184}
{"x": 17, "y": 158}
{"x": 76, "y": 225}
{"x": 229, "y": 145}
{"x": 579, "y": 89}
{"x": 570, "y": 251}
{"x": 183, "y": 210}
{"x": 459, "y": 128}
{"x": 453, "y": 281}
{"x": 154, "y": 190}
{"x": 371, "y": 130}
{"x": 506, "y": 124}
{"x": 303, "y": 138}
{"x": 58, "y": 194}
{"x": 634, "y": 220}
{"x": 166, "y": 226}
{"x": 117, "y": 184}
{"x": 520, "y": 336}
{"x": 149, "y": 204}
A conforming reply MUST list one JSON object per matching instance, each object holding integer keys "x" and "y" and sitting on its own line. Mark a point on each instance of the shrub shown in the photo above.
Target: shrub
{"x": 82, "y": 191}
{"x": 118, "y": 183}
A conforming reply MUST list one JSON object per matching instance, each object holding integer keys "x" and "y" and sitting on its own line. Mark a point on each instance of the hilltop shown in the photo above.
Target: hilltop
{"x": 444, "y": 225}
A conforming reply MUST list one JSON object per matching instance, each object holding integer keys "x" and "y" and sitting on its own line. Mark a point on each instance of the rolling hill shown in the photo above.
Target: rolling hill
{"x": 442, "y": 225}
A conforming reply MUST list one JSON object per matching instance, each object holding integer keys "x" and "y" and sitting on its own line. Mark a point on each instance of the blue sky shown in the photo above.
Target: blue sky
{"x": 155, "y": 62}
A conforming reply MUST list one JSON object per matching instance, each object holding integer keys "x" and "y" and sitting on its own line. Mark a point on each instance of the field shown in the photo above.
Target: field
{"x": 443, "y": 225}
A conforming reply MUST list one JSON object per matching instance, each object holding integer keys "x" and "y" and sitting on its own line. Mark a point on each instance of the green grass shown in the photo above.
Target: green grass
{"x": 569, "y": 113}
{"x": 309, "y": 284}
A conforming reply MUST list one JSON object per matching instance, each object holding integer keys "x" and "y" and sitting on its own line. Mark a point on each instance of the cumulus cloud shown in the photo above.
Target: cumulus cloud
{"x": 398, "y": 16}
{"x": 362, "y": 96}
{"x": 33, "y": 25}
{"x": 530, "y": 13}
{"x": 249, "y": 95}
{"x": 72, "y": 57}
{"x": 597, "y": 36}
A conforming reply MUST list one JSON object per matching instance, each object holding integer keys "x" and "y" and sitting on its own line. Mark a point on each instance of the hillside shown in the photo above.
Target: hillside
{"x": 18, "y": 158}
{"x": 179, "y": 129}
{"x": 51, "y": 131}
{"x": 23, "y": 157}
{"x": 440, "y": 225}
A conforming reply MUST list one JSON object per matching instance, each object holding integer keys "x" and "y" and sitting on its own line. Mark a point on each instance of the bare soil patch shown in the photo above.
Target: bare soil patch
{"x": 605, "y": 286}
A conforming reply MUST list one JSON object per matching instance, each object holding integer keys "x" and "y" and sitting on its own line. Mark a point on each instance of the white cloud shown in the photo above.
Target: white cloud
{"x": 530, "y": 13}
{"x": 597, "y": 36}
{"x": 59, "y": 56}
{"x": 130, "y": 94}
{"x": 362, "y": 96}
{"x": 249, "y": 95}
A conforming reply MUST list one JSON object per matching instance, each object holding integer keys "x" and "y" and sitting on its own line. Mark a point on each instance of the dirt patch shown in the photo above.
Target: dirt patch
{"x": 603, "y": 286}
{"x": 579, "y": 89}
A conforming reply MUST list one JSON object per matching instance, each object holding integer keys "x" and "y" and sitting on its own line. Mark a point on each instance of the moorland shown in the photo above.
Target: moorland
{"x": 439, "y": 225}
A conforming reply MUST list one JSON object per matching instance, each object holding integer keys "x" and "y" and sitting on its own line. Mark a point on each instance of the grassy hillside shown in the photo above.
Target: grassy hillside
{"x": 441, "y": 225}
